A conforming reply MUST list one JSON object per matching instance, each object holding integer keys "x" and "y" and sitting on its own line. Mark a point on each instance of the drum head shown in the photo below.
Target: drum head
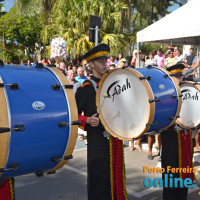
{"x": 189, "y": 115}
{"x": 126, "y": 110}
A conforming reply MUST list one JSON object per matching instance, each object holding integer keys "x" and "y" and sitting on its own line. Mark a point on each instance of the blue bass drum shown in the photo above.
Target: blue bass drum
{"x": 137, "y": 101}
{"x": 166, "y": 97}
{"x": 37, "y": 110}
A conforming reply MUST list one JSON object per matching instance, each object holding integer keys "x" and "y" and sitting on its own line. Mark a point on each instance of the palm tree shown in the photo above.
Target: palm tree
{"x": 70, "y": 19}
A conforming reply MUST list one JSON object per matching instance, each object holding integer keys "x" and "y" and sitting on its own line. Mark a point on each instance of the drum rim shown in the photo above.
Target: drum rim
{"x": 150, "y": 96}
{"x": 178, "y": 90}
{"x": 198, "y": 88}
{"x": 4, "y": 122}
{"x": 72, "y": 107}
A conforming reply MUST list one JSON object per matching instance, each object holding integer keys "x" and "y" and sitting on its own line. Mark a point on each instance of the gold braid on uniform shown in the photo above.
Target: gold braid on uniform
{"x": 111, "y": 168}
{"x": 123, "y": 171}
{"x": 179, "y": 152}
{"x": 192, "y": 154}
{"x": 11, "y": 185}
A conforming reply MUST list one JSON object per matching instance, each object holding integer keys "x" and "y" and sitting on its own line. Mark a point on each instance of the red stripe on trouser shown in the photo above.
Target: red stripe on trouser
{"x": 5, "y": 190}
{"x": 119, "y": 171}
{"x": 113, "y": 165}
{"x": 117, "y": 165}
{"x": 186, "y": 154}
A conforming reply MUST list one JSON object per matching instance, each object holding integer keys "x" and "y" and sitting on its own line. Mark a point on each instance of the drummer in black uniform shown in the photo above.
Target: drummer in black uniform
{"x": 103, "y": 181}
{"x": 177, "y": 151}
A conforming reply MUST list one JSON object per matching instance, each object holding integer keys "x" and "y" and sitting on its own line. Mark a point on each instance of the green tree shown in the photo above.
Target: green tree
{"x": 121, "y": 19}
{"x": 21, "y": 29}
{"x": 70, "y": 19}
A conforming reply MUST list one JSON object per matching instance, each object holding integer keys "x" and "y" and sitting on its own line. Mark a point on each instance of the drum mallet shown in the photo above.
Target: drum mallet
{"x": 104, "y": 97}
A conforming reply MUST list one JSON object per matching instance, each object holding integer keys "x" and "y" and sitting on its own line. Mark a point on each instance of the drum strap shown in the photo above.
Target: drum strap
{"x": 94, "y": 84}
{"x": 105, "y": 133}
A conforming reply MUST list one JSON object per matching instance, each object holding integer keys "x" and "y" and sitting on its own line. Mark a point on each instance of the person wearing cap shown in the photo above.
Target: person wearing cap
{"x": 177, "y": 151}
{"x": 105, "y": 181}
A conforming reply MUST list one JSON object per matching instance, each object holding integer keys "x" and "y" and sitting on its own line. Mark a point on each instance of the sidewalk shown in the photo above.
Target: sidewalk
{"x": 70, "y": 182}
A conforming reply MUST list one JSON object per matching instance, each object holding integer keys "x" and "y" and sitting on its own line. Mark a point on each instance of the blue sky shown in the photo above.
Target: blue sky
{"x": 9, "y": 3}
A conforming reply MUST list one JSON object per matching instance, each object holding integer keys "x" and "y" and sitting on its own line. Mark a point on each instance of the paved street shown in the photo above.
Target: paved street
{"x": 70, "y": 182}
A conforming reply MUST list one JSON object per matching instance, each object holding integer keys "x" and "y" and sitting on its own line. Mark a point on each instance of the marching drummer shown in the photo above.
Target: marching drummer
{"x": 177, "y": 151}
{"x": 105, "y": 181}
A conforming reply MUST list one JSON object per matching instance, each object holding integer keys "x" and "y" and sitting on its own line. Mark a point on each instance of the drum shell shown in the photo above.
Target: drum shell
{"x": 163, "y": 88}
{"x": 189, "y": 115}
{"x": 42, "y": 139}
{"x": 163, "y": 112}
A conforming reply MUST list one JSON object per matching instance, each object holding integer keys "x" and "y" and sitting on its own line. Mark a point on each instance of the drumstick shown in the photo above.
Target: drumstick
{"x": 104, "y": 97}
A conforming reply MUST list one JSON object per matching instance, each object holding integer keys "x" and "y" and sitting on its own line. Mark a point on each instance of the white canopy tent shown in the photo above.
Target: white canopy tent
{"x": 179, "y": 27}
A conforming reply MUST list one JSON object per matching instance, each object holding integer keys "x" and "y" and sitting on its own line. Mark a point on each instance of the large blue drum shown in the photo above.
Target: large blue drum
{"x": 36, "y": 113}
{"x": 139, "y": 101}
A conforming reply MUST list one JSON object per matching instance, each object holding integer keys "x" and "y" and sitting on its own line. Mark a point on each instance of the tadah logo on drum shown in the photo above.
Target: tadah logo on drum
{"x": 116, "y": 88}
{"x": 38, "y": 105}
{"x": 188, "y": 96}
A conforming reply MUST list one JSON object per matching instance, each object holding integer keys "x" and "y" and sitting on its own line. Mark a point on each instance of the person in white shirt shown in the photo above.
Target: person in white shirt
{"x": 179, "y": 56}
{"x": 151, "y": 61}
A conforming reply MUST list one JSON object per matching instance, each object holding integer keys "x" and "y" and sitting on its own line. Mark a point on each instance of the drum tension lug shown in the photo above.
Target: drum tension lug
{"x": 143, "y": 77}
{"x": 4, "y": 129}
{"x": 165, "y": 76}
{"x": 175, "y": 96}
{"x": 151, "y": 124}
{"x": 154, "y": 100}
{"x": 195, "y": 83}
{"x": 57, "y": 159}
{"x": 19, "y": 128}
{"x": 14, "y": 86}
{"x": 149, "y": 66}
{"x": 117, "y": 138}
{"x": 39, "y": 65}
{"x": 12, "y": 167}
{"x": 51, "y": 172}
{"x": 77, "y": 122}
{"x": 69, "y": 86}
{"x": 39, "y": 173}
{"x": 107, "y": 71}
{"x": 64, "y": 124}
{"x": 124, "y": 67}
{"x": 173, "y": 118}
{"x": 56, "y": 86}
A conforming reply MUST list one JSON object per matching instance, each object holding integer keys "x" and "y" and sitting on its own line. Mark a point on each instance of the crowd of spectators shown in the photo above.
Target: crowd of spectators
{"x": 78, "y": 71}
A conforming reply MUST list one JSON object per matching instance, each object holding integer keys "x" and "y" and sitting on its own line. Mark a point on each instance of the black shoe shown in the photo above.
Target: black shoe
{"x": 150, "y": 157}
